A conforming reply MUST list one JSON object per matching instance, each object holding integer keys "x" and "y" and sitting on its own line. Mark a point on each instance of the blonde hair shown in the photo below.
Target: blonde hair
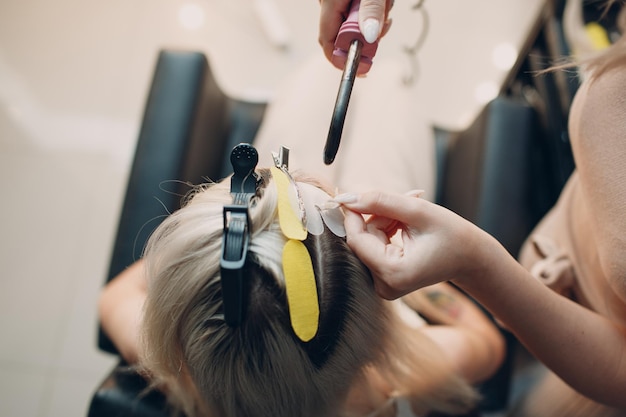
{"x": 261, "y": 368}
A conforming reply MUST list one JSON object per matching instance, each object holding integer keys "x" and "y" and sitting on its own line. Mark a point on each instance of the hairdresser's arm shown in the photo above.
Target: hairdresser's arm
{"x": 585, "y": 349}
{"x": 464, "y": 333}
{"x": 120, "y": 308}
{"x": 334, "y": 12}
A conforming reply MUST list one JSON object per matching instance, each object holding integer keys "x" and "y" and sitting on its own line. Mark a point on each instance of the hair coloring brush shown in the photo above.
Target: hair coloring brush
{"x": 354, "y": 55}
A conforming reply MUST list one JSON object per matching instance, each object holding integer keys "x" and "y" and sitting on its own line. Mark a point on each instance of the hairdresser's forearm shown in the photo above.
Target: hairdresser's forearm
{"x": 585, "y": 349}
{"x": 120, "y": 308}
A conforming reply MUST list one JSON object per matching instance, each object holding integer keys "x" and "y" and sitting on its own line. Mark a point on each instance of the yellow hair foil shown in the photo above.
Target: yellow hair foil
{"x": 290, "y": 223}
{"x": 300, "y": 284}
{"x": 304, "y": 310}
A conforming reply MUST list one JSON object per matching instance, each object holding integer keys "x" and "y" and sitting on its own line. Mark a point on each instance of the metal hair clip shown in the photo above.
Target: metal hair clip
{"x": 243, "y": 186}
{"x": 281, "y": 159}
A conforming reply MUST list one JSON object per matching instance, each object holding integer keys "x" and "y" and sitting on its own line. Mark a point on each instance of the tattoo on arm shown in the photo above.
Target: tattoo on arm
{"x": 444, "y": 303}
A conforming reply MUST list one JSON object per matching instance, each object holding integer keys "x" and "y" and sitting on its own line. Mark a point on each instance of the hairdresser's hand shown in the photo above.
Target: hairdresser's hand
{"x": 373, "y": 21}
{"x": 437, "y": 245}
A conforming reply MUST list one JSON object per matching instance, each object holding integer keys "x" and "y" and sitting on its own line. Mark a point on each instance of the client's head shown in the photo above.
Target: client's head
{"x": 261, "y": 367}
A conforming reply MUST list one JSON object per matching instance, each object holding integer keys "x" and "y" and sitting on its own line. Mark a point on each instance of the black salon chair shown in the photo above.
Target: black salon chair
{"x": 497, "y": 174}
{"x": 190, "y": 126}
{"x": 188, "y": 129}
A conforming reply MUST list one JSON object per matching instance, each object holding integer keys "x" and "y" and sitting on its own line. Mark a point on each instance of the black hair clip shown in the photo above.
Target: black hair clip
{"x": 243, "y": 186}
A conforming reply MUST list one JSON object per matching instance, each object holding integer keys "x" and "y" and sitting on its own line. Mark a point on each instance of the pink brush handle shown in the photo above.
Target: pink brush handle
{"x": 348, "y": 32}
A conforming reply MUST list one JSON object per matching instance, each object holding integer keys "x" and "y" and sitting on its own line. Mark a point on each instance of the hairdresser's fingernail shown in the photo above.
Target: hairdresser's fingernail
{"x": 414, "y": 193}
{"x": 345, "y": 198}
{"x": 329, "y": 205}
{"x": 371, "y": 30}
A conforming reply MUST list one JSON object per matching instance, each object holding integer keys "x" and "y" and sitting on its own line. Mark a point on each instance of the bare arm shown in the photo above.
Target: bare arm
{"x": 464, "y": 333}
{"x": 585, "y": 349}
{"x": 120, "y": 308}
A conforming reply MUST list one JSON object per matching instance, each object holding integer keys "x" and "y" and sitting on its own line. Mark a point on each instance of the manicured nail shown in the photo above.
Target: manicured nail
{"x": 329, "y": 205}
{"x": 371, "y": 30}
{"x": 345, "y": 198}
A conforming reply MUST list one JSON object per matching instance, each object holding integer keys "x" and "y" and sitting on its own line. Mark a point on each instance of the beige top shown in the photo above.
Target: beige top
{"x": 579, "y": 248}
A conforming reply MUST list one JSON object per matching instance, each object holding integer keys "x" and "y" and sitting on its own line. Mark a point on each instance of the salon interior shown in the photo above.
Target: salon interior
{"x": 76, "y": 79}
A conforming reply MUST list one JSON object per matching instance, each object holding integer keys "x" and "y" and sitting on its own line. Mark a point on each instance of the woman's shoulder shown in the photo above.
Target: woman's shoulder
{"x": 609, "y": 84}
{"x": 597, "y": 122}
{"x": 604, "y": 95}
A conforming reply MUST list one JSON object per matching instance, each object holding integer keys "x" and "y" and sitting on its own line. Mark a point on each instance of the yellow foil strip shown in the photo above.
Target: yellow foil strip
{"x": 290, "y": 223}
{"x": 304, "y": 309}
{"x": 300, "y": 284}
